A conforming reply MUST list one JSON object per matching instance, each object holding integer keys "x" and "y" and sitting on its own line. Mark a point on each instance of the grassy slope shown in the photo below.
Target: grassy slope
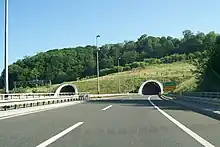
{"x": 131, "y": 80}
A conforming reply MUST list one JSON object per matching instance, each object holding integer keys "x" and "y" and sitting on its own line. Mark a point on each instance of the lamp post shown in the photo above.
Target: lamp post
{"x": 119, "y": 85}
{"x": 97, "y": 63}
{"x": 6, "y": 47}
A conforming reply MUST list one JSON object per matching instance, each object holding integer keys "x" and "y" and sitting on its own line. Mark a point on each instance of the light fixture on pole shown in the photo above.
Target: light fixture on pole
{"x": 97, "y": 63}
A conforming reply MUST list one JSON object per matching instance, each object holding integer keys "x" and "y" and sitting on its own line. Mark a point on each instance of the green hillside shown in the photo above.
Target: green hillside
{"x": 71, "y": 64}
{"x": 130, "y": 81}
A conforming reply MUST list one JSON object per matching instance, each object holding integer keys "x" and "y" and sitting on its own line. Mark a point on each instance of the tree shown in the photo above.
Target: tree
{"x": 129, "y": 57}
{"x": 69, "y": 64}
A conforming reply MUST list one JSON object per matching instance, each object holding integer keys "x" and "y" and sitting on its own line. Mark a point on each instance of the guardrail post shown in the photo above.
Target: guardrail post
{"x": 6, "y": 97}
{"x": 5, "y": 108}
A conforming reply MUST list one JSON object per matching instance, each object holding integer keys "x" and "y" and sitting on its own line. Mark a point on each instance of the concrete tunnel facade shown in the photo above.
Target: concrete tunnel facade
{"x": 66, "y": 88}
{"x": 151, "y": 87}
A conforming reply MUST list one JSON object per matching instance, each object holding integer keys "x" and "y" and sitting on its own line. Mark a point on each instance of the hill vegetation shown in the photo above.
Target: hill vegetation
{"x": 71, "y": 64}
{"x": 130, "y": 81}
{"x": 208, "y": 70}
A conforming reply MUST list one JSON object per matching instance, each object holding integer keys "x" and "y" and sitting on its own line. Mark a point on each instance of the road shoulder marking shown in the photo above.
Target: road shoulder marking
{"x": 59, "y": 135}
{"x": 181, "y": 126}
{"x": 106, "y": 107}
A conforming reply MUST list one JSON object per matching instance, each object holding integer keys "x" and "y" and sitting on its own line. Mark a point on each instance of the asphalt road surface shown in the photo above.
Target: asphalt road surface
{"x": 118, "y": 122}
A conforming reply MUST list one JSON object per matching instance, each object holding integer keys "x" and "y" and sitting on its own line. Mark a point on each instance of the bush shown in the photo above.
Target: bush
{"x": 19, "y": 90}
{"x": 126, "y": 68}
{"x": 135, "y": 65}
{"x": 151, "y": 61}
{"x": 34, "y": 91}
{"x": 107, "y": 71}
{"x": 157, "y": 61}
{"x": 142, "y": 64}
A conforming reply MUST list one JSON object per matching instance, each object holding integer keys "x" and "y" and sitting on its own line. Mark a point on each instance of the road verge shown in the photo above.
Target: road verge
{"x": 195, "y": 108}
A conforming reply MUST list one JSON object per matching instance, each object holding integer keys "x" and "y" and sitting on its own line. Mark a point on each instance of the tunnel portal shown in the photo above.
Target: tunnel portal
{"x": 151, "y": 87}
{"x": 66, "y": 88}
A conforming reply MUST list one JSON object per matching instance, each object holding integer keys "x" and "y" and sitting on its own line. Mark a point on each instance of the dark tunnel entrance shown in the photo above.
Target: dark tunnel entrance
{"x": 67, "y": 89}
{"x": 151, "y": 88}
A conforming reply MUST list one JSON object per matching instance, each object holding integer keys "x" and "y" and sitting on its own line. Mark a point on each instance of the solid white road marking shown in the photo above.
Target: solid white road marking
{"x": 54, "y": 138}
{"x": 218, "y": 112}
{"x": 106, "y": 107}
{"x": 181, "y": 126}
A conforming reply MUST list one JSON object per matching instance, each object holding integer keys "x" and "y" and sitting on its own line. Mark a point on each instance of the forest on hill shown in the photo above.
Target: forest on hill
{"x": 71, "y": 64}
{"x": 208, "y": 69}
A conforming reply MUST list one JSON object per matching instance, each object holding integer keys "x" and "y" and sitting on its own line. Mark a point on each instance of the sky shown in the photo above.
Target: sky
{"x": 39, "y": 25}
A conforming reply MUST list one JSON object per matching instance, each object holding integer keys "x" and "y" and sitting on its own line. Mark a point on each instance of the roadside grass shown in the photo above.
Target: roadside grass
{"x": 188, "y": 85}
{"x": 130, "y": 81}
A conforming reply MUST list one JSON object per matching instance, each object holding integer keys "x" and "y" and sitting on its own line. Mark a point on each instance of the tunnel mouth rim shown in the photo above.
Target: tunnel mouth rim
{"x": 67, "y": 89}
{"x": 59, "y": 89}
{"x": 140, "y": 91}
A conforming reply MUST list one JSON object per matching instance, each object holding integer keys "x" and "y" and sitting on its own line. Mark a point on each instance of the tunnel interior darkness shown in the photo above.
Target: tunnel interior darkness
{"x": 151, "y": 88}
{"x": 68, "y": 89}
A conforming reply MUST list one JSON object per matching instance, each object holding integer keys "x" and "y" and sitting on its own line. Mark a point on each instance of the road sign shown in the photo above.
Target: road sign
{"x": 169, "y": 86}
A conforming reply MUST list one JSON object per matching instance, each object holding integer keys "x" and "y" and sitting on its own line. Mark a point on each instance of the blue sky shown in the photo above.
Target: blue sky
{"x": 39, "y": 25}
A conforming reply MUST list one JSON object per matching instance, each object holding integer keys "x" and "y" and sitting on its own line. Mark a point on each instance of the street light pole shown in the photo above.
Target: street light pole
{"x": 119, "y": 85}
{"x": 97, "y": 63}
{"x": 6, "y": 47}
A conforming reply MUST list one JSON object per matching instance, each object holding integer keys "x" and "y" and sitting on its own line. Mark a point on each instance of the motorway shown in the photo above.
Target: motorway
{"x": 118, "y": 122}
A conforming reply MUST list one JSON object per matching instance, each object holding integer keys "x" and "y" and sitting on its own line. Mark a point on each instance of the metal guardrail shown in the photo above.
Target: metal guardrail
{"x": 35, "y": 99}
{"x": 6, "y": 104}
{"x": 30, "y": 95}
{"x": 109, "y": 95}
{"x": 210, "y": 95}
{"x": 199, "y": 97}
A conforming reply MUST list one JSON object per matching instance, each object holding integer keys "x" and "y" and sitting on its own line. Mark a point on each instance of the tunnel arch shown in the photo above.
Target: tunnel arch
{"x": 151, "y": 87}
{"x": 66, "y": 88}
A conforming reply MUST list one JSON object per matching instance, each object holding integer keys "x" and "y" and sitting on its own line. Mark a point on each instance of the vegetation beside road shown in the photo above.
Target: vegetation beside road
{"x": 208, "y": 69}
{"x": 79, "y": 64}
{"x": 130, "y": 81}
